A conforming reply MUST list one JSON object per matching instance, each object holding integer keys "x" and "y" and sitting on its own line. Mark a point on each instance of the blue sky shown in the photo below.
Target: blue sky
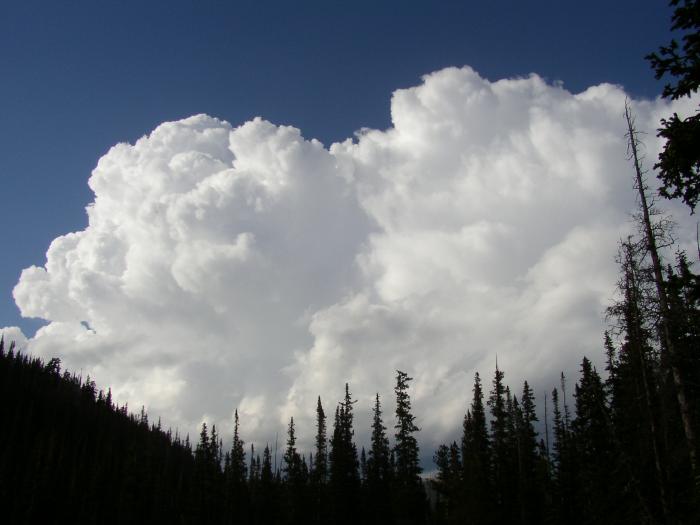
{"x": 81, "y": 76}
{"x": 229, "y": 266}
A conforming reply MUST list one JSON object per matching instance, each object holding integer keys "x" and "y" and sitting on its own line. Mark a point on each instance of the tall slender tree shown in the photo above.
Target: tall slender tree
{"x": 409, "y": 495}
{"x": 564, "y": 470}
{"x": 295, "y": 477}
{"x": 379, "y": 473}
{"x": 476, "y": 460}
{"x": 320, "y": 470}
{"x": 530, "y": 482}
{"x": 593, "y": 446}
{"x": 665, "y": 317}
{"x": 235, "y": 473}
{"x": 499, "y": 446}
{"x": 344, "y": 476}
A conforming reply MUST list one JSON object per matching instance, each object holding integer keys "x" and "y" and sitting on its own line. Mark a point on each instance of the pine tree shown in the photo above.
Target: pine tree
{"x": 319, "y": 470}
{"x": 564, "y": 469}
{"x": 637, "y": 380}
{"x": 292, "y": 460}
{"x": 235, "y": 474}
{"x": 476, "y": 460}
{"x": 593, "y": 446}
{"x": 254, "y": 467}
{"x": 409, "y": 496}
{"x": 378, "y": 470}
{"x": 321, "y": 461}
{"x": 363, "y": 466}
{"x": 530, "y": 463}
{"x": 211, "y": 476}
{"x": 238, "y": 461}
{"x": 295, "y": 477}
{"x": 448, "y": 484}
{"x": 266, "y": 501}
{"x": 666, "y": 339}
{"x": 500, "y": 453}
{"x": 683, "y": 291}
{"x": 679, "y": 160}
{"x": 344, "y": 464}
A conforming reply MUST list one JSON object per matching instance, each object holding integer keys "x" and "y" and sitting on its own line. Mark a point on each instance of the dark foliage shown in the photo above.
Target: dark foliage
{"x": 679, "y": 162}
{"x": 68, "y": 454}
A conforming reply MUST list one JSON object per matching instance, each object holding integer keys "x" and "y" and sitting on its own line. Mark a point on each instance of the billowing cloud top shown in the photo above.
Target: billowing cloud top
{"x": 250, "y": 268}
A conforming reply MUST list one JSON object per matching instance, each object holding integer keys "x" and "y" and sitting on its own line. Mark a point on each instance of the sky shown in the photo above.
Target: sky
{"x": 219, "y": 205}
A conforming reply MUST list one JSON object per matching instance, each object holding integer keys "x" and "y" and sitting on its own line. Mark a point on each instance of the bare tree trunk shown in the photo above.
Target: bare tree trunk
{"x": 666, "y": 340}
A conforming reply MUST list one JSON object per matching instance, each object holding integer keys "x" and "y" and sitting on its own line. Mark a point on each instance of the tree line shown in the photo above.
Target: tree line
{"x": 621, "y": 447}
{"x": 69, "y": 453}
{"x": 611, "y": 450}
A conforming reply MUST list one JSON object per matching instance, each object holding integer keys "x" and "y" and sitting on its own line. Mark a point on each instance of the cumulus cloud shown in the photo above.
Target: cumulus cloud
{"x": 13, "y": 334}
{"x": 249, "y": 267}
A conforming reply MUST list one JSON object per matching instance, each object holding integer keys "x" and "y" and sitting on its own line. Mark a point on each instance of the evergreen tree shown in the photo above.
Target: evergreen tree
{"x": 448, "y": 484}
{"x": 266, "y": 503}
{"x": 593, "y": 447}
{"x": 500, "y": 451}
{"x": 651, "y": 232}
{"x": 292, "y": 460}
{"x": 476, "y": 460}
{"x": 238, "y": 462}
{"x": 564, "y": 469}
{"x": 235, "y": 474}
{"x": 679, "y": 160}
{"x": 295, "y": 477}
{"x": 363, "y": 466}
{"x": 319, "y": 470}
{"x": 530, "y": 463}
{"x": 683, "y": 291}
{"x": 637, "y": 380}
{"x": 409, "y": 496}
{"x": 344, "y": 475}
{"x": 254, "y": 467}
{"x": 378, "y": 471}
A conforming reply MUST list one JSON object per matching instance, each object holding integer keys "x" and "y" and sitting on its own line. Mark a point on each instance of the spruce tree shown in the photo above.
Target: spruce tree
{"x": 320, "y": 470}
{"x": 238, "y": 461}
{"x": 530, "y": 466}
{"x": 679, "y": 160}
{"x": 638, "y": 379}
{"x": 363, "y": 466}
{"x": 476, "y": 500}
{"x": 667, "y": 342}
{"x": 564, "y": 493}
{"x": 344, "y": 476}
{"x": 500, "y": 451}
{"x": 593, "y": 447}
{"x": 235, "y": 474}
{"x": 378, "y": 470}
{"x": 292, "y": 460}
{"x": 267, "y": 501}
{"x": 295, "y": 477}
{"x": 409, "y": 496}
{"x": 448, "y": 484}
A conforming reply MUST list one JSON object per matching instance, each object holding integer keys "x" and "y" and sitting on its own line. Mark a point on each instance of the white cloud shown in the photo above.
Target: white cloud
{"x": 13, "y": 334}
{"x": 248, "y": 267}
